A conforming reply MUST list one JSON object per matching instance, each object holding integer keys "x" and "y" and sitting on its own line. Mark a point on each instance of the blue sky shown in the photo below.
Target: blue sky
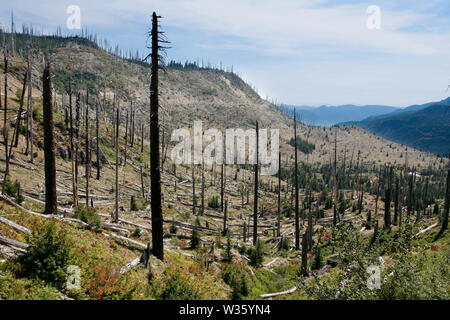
{"x": 309, "y": 52}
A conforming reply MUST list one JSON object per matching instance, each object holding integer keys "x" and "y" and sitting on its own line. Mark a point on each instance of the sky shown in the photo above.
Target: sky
{"x": 298, "y": 52}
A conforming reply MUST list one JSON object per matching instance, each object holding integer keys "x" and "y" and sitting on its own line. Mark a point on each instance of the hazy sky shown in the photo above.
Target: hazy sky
{"x": 303, "y": 52}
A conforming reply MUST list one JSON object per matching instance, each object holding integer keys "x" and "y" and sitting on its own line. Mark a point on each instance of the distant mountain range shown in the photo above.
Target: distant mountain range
{"x": 331, "y": 115}
{"x": 425, "y": 127}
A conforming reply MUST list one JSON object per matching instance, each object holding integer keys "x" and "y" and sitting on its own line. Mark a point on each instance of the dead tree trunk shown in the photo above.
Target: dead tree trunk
{"x": 72, "y": 153}
{"x": 409, "y": 196}
{"x": 222, "y": 184}
{"x": 142, "y": 141}
{"x": 203, "y": 187}
{"x": 310, "y": 223}
{"x": 297, "y": 214}
{"x": 387, "y": 198}
{"x": 396, "y": 202}
{"x": 157, "y": 219}
{"x": 86, "y": 120}
{"x": 77, "y": 135}
{"x": 225, "y": 218}
{"x": 97, "y": 128}
{"x": 446, "y": 206}
{"x": 279, "y": 196}
{"x": 255, "y": 204}
{"x": 336, "y": 183}
{"x": 5, "y": 123}
{"x": 304, "y": 268}
{"x": 19, "y": 113}
{"x": 194, "y": 200}
{"x": 116, "y": 189}
{"x": 29, "y": 103}
{"x": 49, "y": 144}
{"x": 126, "y": 138}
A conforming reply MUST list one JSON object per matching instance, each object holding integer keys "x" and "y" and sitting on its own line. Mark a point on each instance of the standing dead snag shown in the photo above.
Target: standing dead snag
{"x": 194, "y": 199}
{"x": 336, "y": 185}
{"x": 155, "y": 174}
{"x": 396, "y": 201}
{"x": 5, "y": 123}
{"x": 255, "y": 204}
{"x": 49, "y": 144}
{"x": 304, "y": 267}
{"x": 19, "y": 113}
{"x": 72, "y": 153}
{"x": 203, "y": 187}
{"x": 279, "y": 195}
{"x": 77, "y": 135}
{"x": 297, "y": 223}
{"x": 116, "y": 189}
{"x": 97, "y": 127}
{"x": 86, "y": 120}
{"x": 387, "y": 198}
{"x": 446, "y": 206}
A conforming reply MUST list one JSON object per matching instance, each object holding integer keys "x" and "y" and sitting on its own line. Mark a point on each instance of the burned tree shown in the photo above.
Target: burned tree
{"x": 49, "y": 144}
{"x": 279, "y": 196}
{"x": 155, "y": 174}
{"x": 387, "y": 198}
{"x": 72, "y": 151}
{"x": 97, "y": 128}
{"x": 297, "y": 222}
{"x": 5, "y": 123}
{"x": 116, "y": 189}
{"x": 87, "y": 167}
{"x": 19, "y": 113}
{"x": 255, "y": 204}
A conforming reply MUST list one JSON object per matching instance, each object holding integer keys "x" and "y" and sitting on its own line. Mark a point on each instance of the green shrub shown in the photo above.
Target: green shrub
{"x": 177, "y": 288}
{"x": 13, "y": 190}
{"x": 25, "y": 289}
{"x": 133, "y": 205}
{"x": 213, "y": 202}
{"x": 195, "y": 238}
{"x": 256, "y": 255}
{"x": 88, "y": 215}
{"x": 48, "y": 256}
{"x": 226, "y": 255}
{"x": 236, "y": 278}
{"x": 137, "y": 233}
{"x": 173, "y": 228}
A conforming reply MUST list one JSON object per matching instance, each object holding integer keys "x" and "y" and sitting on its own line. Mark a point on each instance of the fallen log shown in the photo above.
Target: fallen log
{"x": 428, "y": 228}
{"x": 14, "y": 225}
{"x": 276, "y": 294}
{"x": 130, "y": 265}
{"x": 17, "y": 245}
{"x": 128, "y": 241}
